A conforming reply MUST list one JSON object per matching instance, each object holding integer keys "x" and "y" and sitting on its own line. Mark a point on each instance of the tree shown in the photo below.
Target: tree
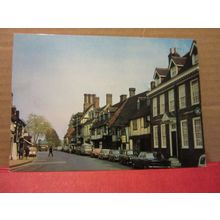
{"x": 37, "y": 126}
{"x": 52, "y": 137}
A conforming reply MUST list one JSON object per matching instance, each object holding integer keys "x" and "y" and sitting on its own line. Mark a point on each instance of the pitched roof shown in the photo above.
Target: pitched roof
{"x": 129, "y": 109}
{"x": 112, "y": 110}
{"x": 162, "y": 71}
{"x": 143, "y": 111}
{"x": 179, "y": 61}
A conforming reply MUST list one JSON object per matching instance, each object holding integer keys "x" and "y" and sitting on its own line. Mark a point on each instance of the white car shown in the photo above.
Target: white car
{"x": 202, "y": 161}
{"x": 59, "y": 148}
{"x": 66, "y": 149}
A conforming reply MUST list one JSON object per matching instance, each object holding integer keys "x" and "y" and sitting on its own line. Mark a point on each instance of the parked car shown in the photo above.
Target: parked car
{"x": 95, "y": 152}
{"x": 59, "y": 148}
{"x": 113, "y": 155}
{"x": 202, "y": 161}
{"x": 78, "y": 149}
{"x": 104, "y": 154}
{"x": 174, "y": 162}
{"x": 86, "y": 149}
{"x": 66, "y": 149}
{"x": 150, "y": 160}
{"x": 71, "y": 148}
{"x": 32, "y": 151}
{"x": 126, "y": 156}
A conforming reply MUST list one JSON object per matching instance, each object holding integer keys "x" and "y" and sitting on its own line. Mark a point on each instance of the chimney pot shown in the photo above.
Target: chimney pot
{"x": 96, "y": 103}
{"x": 131, "y": 91}
{"x": 123, "y": 98}
{"x": 108, "y": 99}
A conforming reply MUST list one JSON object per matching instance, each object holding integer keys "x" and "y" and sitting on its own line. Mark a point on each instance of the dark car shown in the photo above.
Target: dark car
{"x": 113, "y": 155}
{"x": 150, "y": 160}
{"x": 78, "y": 149}
{"x": 104, "y": 154}
{"x": 126, "y": 157}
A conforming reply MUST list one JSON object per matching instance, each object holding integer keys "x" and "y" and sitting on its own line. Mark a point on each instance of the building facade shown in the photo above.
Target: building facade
{"x": 176, "y": 116}
{"x": 139, "y": 127}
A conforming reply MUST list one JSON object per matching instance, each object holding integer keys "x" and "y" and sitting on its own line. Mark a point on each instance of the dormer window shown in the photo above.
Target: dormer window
{"x": 195, "y": 59}
{"x": 173, "y": 71}
{"x": 157, "y": 81}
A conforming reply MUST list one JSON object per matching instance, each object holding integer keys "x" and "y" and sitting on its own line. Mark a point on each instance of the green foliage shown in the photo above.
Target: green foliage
{"x": 37, "y": 126}
{"x": 52, "y": 138}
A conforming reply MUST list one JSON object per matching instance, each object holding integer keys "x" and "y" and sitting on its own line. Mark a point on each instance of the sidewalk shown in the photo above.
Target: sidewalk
{"x": 15, "y": 163}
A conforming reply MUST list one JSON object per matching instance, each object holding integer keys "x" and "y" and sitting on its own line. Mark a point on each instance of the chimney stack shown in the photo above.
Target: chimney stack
{"x": 123, "y": 98}
{"x": 108, "y": 99}
{"x": 131, "y": 92}
{"x": 96, "y": 102}
{"x": 152, "y": 85}
{"x": 173, "y": 52}
{"x": 93, "y": 98}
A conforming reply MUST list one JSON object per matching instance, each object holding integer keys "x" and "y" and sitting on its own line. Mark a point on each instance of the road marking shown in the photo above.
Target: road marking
{"x": 48, "y": 162}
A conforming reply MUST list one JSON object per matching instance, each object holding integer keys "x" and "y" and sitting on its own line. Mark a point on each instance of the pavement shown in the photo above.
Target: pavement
{"x": 62, "y": 161}
{"x": 16, "y": 163}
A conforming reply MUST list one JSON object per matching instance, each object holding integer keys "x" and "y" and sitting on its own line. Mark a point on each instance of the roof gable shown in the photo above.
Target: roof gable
{"x": 161, "y": 72}
{"x": 193, "y": 47}
{"x": 128, "y": 110}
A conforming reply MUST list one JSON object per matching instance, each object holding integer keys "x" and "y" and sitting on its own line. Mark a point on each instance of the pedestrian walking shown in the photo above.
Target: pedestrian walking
{"x": 50, "y": 151}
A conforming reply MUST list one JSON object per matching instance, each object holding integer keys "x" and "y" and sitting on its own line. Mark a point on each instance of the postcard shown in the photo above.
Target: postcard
{"x": 105, "y": 103}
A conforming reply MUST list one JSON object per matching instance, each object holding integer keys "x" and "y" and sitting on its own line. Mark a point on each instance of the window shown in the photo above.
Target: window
{"x": 155, "y": 106}
{"x": 171, "y": 100}
{"x": 194, "y": 92}
{"x": 98, "y": 131}
{"x": 184, "y": 134}
{"x": 162, "y": 104}
{"x": 173, "y": 71}
{"x": 197, "y": 133}
{"x": 163, "y": 136}
{"x": 155, "y": 131}
{"x": 146, "y": 124}
{"x": 157, "y": 81}
{"x": 142, "y": 122}
{"x": 182, "y": 96}
{"x": 195, "y": 59}
{"x": 134, "y": 123}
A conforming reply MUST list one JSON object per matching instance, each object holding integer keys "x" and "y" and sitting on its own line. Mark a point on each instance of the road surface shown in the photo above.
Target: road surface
{"x": 66, "y": 162}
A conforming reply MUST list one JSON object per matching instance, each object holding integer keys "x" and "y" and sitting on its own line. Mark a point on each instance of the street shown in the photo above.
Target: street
{"x": 66, "y": 162}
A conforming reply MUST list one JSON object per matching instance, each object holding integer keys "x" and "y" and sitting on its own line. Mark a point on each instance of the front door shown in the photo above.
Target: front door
{"x": 174, "y": 144}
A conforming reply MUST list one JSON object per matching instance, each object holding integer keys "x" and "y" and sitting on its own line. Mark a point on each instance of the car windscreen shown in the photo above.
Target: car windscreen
{"x": 145, "y": 155}
{"x": 130, "y": 152}
{"x": 115, "y": 152}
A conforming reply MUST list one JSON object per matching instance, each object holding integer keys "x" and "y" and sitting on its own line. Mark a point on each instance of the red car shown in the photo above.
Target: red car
{"x": 95, "y": 152}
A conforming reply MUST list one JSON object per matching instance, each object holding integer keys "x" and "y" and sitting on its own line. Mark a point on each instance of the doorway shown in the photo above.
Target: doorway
{"x": 174, "y": 144}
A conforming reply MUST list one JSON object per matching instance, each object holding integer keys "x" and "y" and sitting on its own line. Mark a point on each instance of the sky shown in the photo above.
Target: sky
{"x": 52, "y": 72}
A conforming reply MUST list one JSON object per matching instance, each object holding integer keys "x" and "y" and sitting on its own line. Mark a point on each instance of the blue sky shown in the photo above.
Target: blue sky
{"x": 52, "y": 72}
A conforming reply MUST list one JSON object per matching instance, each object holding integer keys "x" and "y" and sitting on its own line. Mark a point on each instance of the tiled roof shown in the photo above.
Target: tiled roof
{"x": 179, "y": 60}
{"x": 113, "y": 109}
{"x": 143, "y": 111}
{"x": 128, "y": 111}
{"x": 162, "y": 71}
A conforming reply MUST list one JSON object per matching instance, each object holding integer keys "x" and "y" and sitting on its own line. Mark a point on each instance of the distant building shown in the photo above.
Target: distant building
{"x": 123, "y": 123}
{"x": 139, "y": 126}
